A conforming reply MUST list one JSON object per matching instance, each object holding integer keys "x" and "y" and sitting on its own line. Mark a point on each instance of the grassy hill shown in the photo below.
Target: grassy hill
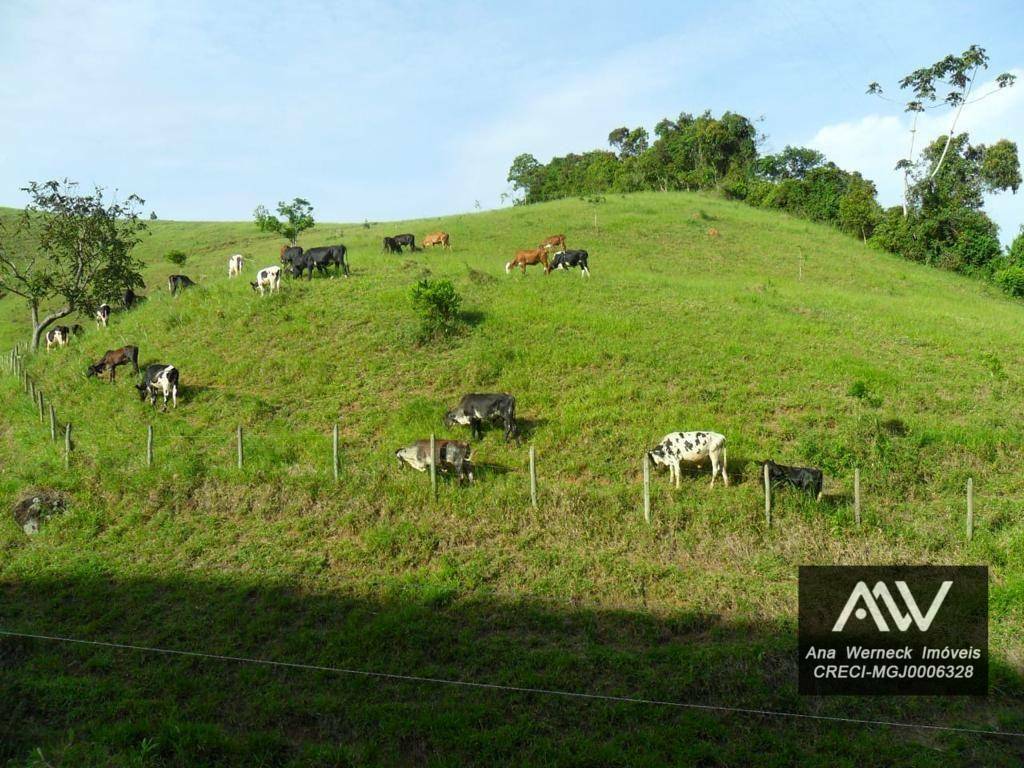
{"x": 795, "y": 342}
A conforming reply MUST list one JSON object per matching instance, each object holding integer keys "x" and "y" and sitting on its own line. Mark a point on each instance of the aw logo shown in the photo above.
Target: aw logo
{"x": 893, "y": 630}
{"x": 870, "y": 598}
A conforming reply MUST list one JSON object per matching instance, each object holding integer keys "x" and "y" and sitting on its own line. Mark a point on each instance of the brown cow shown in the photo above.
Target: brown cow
{"x": 524, "y": 259}
{"x": 437, "y": 238}
{"x": 114, "y": 358}
{"x": 555, "y": 241}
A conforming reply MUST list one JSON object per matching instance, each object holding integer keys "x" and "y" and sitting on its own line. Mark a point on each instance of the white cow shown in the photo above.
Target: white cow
{"x": 677, "y": 447}
{"x": 57, "y": 337}
{"x": 268, "y": 277}
{"x": 235, "y": 265}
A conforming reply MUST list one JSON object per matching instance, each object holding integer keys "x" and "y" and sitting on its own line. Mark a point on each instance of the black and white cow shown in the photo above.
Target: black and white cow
{"x": 269, "y": 278}
{"x": 449, "y": 455}
{"x": 570, "y": 259}
{"x": 58, "y": 336}
{"x": 102, "y": 315}
{"x": 677, "y": 447}
{"x": 804, "y": 478}
{"x": 473, "y": 410}
{"x": 159, "y": 378}
{"x": 178, "y": 283}
{"x": 235, "y": 265}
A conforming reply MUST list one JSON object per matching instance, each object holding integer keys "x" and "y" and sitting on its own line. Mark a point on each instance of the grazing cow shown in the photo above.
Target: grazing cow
{"x": 524, "y": 259}
{"x": 474, "y": 410}
{"x": 58, "y": 336}
{"x": 555, "y": 241}
{"x": 448, "y": 455}
{"x": 102, "y": 315}
{"x": 268, "y": 277}
{"x": 437, "y": 238}
{"x": 113, "y": 358}
{"x": 178, "y": 283}
{"x": 406, "y": 241}
{"x": 235, "y": 265}
{"x": 130, "y": 298}
{"x": 289, "y": 253}
{"x": 678, "y": 447}
{"x": 391, "y": 245}
{"x": 570, "y": 259}
{"x": 77, "y": 329}
{"x": 162, "y": 379}
{"x": 804, "y": 478}
{"x": 319, "y": 259}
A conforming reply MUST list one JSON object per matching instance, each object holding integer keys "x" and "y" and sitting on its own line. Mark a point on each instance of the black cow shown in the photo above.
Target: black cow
{"x": 131, "y": 298}
{"x": 391, "y": 245}
{"x": 570, "y": 259}
{"x": 178, "y": 283}
{"x": 319, "y": 259}
{"x": 474, "y": 410}
{"x": 159, "y": 378}
{"x": 77, "y": 329}
{"x": 289, "y": 253}
{"x": 805, "y": 478}
{"x": 406, "y": 240}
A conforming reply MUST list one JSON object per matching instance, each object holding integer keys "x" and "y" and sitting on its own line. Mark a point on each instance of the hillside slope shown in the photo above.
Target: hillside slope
{"x": 795, "y": 342}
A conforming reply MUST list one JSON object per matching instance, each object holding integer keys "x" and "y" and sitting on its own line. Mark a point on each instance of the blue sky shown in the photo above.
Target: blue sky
{"x": 386, "y": 110}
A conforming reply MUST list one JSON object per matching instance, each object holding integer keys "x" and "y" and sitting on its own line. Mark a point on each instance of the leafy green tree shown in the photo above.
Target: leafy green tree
{"x": 437, "y": 303}
{"x": 790, "y": 163}
{"x": 859, "y": 211}
{"x": 1015, "y": 253}
{"x": 73, "y": 252}
{"x": 629, "y": 143}
{"x": 948, "y": 82}
{"x": 176, "y": 257}
{"x": 525, "y": 176}
{"x": 297, "y": 218}
{"x": 1000, "y": 167}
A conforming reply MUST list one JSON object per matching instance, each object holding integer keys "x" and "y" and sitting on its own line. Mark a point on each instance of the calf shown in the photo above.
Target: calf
{"x": 159, "y": 378}
{"x": 130, "y": 298}
{"x": 555, "y": 241}
{"x": 804, "y": 478}
{"x": 448, "y": 455}
{"x": 474, "y": 410}
{"x": 57, "y": 336}
{"x": 235, "y": 265}
{"x": 677, "y": 447}
{"x": 391, "y": 245}
{"x": 570, "y": 259}
{"x": 268, "y": 277}
{"x": 289, "y": 253}
{"x": 102, "y": 315}
{"x": 178, "y": 283}
{"x": 113, "y": 358}
{"x": 437, "y": 238}
{"x": 523, "y": 259}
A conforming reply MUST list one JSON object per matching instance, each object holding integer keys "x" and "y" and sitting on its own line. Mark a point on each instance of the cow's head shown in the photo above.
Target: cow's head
{"x": 142, "y": 390}
{"x": 657, "y": 456}
{"x": 451, "y": 417}
{"x": 254, "y": 286}
{"x": 94, "y": 370}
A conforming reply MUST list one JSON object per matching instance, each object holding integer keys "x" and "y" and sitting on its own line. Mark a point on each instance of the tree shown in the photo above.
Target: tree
{"x": 790, "y": 163}
{"x": 948, "y": 82}
{"x": 525, "y": 175}
{"x": 629, "y": 143}
{"x": 859, "y": 212}
{"x": 73, "y": 252}
{"x": 298, "y": 217}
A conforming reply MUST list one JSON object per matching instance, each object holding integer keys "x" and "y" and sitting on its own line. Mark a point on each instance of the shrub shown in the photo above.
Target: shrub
{"x": 176, "y": 257}
{"x": 437, "y": 303}
{"x": 1011, "y": 280}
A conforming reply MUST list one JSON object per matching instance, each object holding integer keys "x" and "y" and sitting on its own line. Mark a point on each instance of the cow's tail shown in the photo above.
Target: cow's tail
{"x": 508, "y": 266}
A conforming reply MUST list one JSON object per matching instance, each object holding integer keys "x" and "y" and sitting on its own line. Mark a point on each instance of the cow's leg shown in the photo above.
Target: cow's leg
{"x": 174, "y": 395}
{"x": 476, "y": 427}
{"x": 676, "y": 473}
{"x": 714, "y": 467}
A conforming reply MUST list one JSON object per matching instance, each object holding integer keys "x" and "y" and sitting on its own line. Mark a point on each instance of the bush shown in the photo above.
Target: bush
{"x": 1011, "y": 280}
{"x": 437, "y": 303}
{"x": 176, "y": 257}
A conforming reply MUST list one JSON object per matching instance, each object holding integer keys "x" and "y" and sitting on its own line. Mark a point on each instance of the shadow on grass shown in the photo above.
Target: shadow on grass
{"x": 88, "y": 705}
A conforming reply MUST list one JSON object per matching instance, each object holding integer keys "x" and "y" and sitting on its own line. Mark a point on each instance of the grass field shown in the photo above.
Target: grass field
{"x": 794, "y": 341}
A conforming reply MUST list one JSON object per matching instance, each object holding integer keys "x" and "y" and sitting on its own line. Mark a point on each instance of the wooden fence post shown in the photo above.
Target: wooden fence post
{"x": 149, "y": 445}
{"x": 42, "y": 413}
{"x": 433, "y": 467}
{"x": 335, "y": 450}
{"x": 767, "y": 498}
{"x": 53, "y": 423}
{"x": 533, "y": 477}
{"x": 970, "y": 508}
{"x": 241, "y": 455}
{"x": 647, "y": 489}
{"x": 856, "y": 495}
{"x": 67, "y": 445}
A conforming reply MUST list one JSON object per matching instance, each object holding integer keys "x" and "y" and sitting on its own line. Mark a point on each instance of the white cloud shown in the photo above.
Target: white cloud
{"x": 875, "y": 143}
